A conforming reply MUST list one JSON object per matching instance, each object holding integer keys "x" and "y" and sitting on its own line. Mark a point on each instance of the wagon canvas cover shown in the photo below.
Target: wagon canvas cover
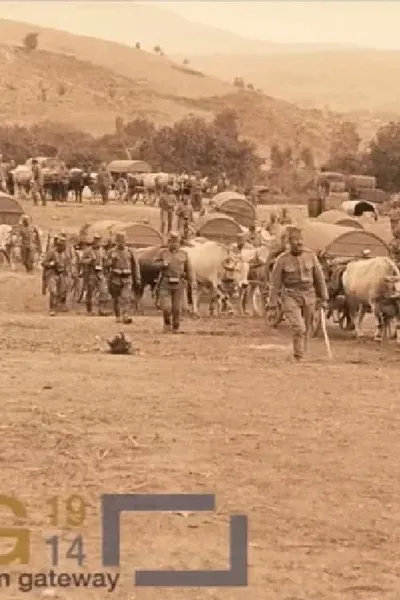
{"x": 339, "y": 241}
{"x": 10, "y": 210}
{"x": 218, "y": 228}
{"x": 129, "y": 166}
{"x": 236, "y": 206}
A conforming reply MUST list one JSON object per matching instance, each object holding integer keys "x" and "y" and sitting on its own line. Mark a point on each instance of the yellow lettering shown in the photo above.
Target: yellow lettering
{"x": 21, "y": 550}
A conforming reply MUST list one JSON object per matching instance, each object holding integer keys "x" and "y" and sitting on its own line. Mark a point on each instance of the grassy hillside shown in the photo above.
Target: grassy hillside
{"x": 88, "y": 82}
{"x": 346, "y": 81}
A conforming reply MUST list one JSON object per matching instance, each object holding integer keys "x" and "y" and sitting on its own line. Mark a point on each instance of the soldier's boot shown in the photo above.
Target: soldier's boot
{"x": 298, "y": 347}
{"x": 52, "y": 306}
{"x": 103, "y": 312}
{"x": 89, "y": 307}
{"x": 126, "y": 319}
{"x": 176, "y": 323}
{"x": 167, "y": 322}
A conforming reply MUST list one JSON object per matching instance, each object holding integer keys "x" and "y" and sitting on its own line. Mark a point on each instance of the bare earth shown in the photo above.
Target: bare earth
{"x": 309, "y": 453}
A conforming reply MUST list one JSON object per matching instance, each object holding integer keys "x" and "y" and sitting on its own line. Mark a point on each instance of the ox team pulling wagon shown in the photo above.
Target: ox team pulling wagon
{"x": 127, "y": 176}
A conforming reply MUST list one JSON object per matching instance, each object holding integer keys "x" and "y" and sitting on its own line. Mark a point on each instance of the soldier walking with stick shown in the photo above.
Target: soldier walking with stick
{"x": 298, "y": 277}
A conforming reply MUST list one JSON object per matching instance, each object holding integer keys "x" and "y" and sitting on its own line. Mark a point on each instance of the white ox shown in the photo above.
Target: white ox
{"x": 373, "y": 284}
{"x": 208, "y": 259}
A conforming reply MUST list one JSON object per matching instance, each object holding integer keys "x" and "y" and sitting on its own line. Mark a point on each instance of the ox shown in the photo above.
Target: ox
{"x": 211, "y": 261}
{"x": 373, "y": 284}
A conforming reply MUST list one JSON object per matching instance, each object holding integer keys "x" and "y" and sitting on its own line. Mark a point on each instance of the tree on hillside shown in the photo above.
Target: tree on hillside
{"x": 186, "y": 61}
{"x": 137, "y": 45}
{"x": 227, "y": 122}
{"x": 239, "y": 82}
{"x": 383, "y": 157}
{"x": 31, "y": 41}
{"x": 157, "y": 49}
{"x": 306, "y": 155}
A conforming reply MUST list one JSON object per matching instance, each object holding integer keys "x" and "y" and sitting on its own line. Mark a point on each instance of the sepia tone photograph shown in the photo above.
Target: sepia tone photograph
{"x": 200, "y": 300}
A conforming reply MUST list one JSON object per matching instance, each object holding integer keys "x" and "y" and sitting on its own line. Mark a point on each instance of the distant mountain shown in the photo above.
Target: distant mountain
{"x": 87, "y": 82}
{"x": 151, "y": 25}
{"x": 358, "y": 81}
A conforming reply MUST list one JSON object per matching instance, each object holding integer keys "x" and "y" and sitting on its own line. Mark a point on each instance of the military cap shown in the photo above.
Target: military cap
{"x": 293, "y": 231}
{"x": 97, "y": 236}
{"x": 25, "y": 218}
{"x": 173, "y": 236}
{"x": 61, "y": 237}
{"x": 366, "y": 252}
{"x": 120, "y": 236}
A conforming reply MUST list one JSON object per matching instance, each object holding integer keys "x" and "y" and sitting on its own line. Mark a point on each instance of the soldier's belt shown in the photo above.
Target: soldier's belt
{"x": 174, "y": 279}
{"x": 121, "y": 272}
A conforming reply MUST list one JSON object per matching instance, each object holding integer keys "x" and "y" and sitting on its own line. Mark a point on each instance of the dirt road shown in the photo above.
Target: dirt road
{"x": 309, "y": 452}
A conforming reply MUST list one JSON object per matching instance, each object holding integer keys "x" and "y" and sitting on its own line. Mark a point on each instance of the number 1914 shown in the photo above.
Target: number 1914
{"x": 74, "y": 551}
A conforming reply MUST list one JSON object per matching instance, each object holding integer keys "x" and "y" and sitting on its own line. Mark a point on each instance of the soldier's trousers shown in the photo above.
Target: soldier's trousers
{"x": 166, "y": 218}
{"x": 120, "y": 289}
{"x": 92, "y": 284}
{"x": 57, "y": 286}
{"x": 28, "y": 258}
{"x": 298, "y": 312}
{"x": 171, "y": 301}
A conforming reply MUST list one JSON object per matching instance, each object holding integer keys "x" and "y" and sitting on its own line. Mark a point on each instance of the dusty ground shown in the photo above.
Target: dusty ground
{"x": 309, "y": 453}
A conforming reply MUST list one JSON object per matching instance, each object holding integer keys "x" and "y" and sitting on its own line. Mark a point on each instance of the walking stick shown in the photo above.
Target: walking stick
{"x": 324, "y": 331}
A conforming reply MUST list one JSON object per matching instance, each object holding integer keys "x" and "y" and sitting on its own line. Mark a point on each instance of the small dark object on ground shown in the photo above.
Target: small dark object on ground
{"x": 120, "y": 344}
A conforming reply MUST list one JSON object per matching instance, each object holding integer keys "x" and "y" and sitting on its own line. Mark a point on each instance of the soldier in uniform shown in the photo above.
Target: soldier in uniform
{"x": 272, "y": 224}
{"x": 124, "y": 277}
{"x": 30, "y": 243}
{"x": 37, "y": 183}
{"x": 184, "y": 213}
{"x": 104, "y": 183}
{"x": 236, "y": 249}
{"x": 93, "y": 269}
{"x": 197, "y": 194}
{"x": 285, "y": 218}
{"x": 298, "y": 277}
{"x": 394, "y": 216}
{"x": 394, "y": 247}
{"x": 167, "y": 207}
{"x": 176, "y": 269}
{"x": 57, "y": 269}
{"x": 254, "y": 236}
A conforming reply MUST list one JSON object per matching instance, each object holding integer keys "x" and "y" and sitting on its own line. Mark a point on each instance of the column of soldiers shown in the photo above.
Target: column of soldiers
{"x": 117, "y": 272}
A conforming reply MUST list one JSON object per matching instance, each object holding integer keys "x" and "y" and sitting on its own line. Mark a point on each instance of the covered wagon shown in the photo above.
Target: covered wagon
{"x": 338, "y": 217}
{"x": 138, "y": 235}
{"x": 98, "y": 227}
{"x": 10, "y": 210}
{"x": 236, "y": 206}
{"x": 123, "y": 167}
{"x": 218, "y": 228}
{"x": 337, "y": 241}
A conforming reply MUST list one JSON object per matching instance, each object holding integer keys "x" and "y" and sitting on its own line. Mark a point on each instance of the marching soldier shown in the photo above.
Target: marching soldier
{"x": 93, "y": 270}
{"x": 176, "y": 270}
{"x": 298, "y": 277}
{"x": 285, "y": 218}
{"x": 167, "y": 207}
{"x": 30, "y": 243}
{"x": 184, "y": 213}
{"x": 394, "y": 216}
{"x": 57, "y": 269}
{"x": 37, "y": 183}
{"x": 104, "y": 183}
{"x": 124, "y": 276}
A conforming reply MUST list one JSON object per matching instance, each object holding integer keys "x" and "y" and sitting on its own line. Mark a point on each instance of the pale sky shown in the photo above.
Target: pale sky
{"x": 373, "y": 24}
